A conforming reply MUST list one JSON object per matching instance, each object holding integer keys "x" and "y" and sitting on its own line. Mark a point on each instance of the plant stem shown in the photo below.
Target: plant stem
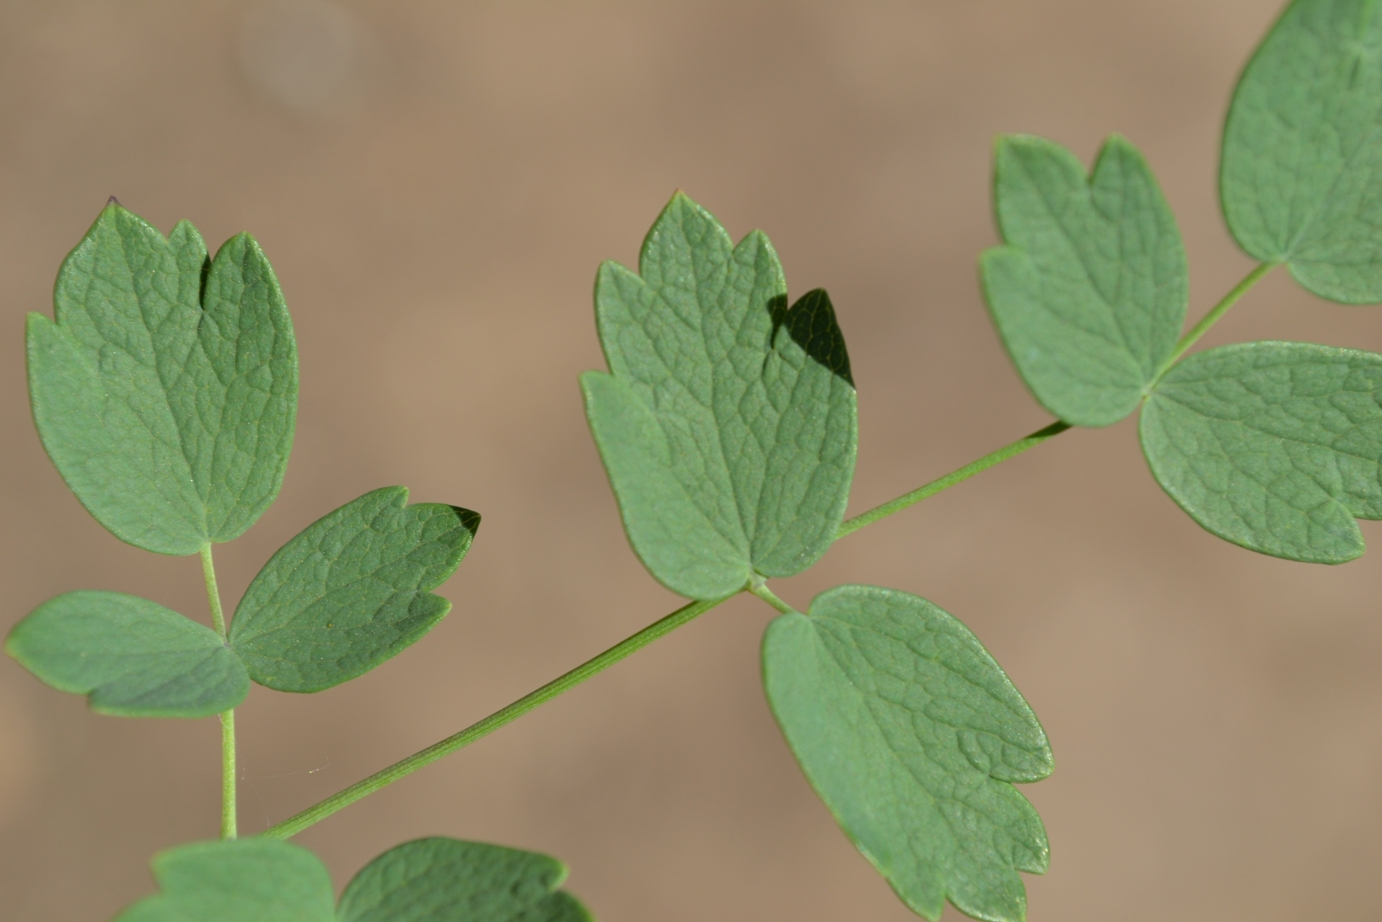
{"x": 295, "y": 824}
{"x": 320, "y": 811}
{"x": 1211, "y": 318}
{"x": 591, "y": 667}
{"x": 213, "y": 595}
{"x": 228, "y": 830}
{"x": 759, "y": 587}
{"x": 218, "y": 618}
{"x": 949, "y": 480}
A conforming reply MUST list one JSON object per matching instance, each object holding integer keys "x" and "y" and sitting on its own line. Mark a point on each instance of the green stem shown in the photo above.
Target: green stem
{"x": 293, "y": 825}
{"x": 228, "y": 774}
{"x": 949, "y": 480}
{"x": 213, "y": 595}
{"x": 759, "y": 587}
{"x": 591, "y": 667}
{"x": 1211, "y": 318}
{"x": 218, "y": 618}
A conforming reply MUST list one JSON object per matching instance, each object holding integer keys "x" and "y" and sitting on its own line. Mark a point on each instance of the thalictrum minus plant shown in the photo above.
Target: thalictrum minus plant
{"x": 164, "y": 389}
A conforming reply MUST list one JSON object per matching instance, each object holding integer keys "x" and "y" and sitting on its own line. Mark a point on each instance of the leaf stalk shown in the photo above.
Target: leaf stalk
{"x": 213, "y": 594}
{"x": 213, "y": 598}
{"x": 505, "y": 715}
{"x": 759, "y": 587}
{"x": 849, "y": 526}
{"x": 1211, "y": 318}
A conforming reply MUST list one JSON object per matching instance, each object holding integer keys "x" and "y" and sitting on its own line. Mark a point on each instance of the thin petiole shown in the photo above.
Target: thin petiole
{"x": 213, "y": 595}
{"x": 949, "y": 480}
{"x": 591, "y": 667}
{"x": 1211, "y": 318}
{"x": 1041, "y": 435}
{"x": 213, "y": 598}
{"x": 759, "y": 587}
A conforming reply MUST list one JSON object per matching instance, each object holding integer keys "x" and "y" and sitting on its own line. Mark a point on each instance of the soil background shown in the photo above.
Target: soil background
{"x": 436, "y": 183}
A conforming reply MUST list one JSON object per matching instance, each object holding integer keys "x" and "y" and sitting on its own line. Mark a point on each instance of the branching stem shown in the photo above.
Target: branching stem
{"x": 758, "y": 586}
{"x": 295, "y": 824}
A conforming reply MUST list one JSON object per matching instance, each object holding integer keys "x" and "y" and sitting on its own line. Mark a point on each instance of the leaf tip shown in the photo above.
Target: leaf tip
{"x": 679, "y": 204}
{"x": 470, "y": 519}
{"x": 589, "y": 380}
{"x": 33, "y": 320}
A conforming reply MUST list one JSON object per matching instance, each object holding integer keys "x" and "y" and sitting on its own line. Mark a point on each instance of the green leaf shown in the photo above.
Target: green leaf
{"x": 237, "y": 880}
{"x": 912, "y": 735}
{"x": 1089, "y": 292}
{"x": 166, "y": 390}
{"x": 132, "y": 657}
{"x": 1301, "y": 175}
{"x": 1273, "y": 446}
{"x": 446, "y": 880}
{"x": 350, "y": 591}
{"x": 727, "y": 424}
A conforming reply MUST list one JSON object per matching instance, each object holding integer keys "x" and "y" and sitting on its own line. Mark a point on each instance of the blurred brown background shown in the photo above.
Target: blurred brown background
{"x": 436, "y": 183}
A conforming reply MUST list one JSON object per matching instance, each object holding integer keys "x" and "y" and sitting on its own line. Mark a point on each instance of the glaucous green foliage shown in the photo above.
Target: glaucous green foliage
{"x": 237, "y": 880}
{"x": 1301, "y": 176}
{"x": 164, "y": 391}
{"x": 350, "y": 591}
{"x": 912, "y": 735}
{"x": 166, "y": 394}
{"x": 728, "y": 430}
{"x": 1089, "y": 291}
{"x": 165, "y": 388}
{"x": 727, "y": 421}
{"x": 428, "y": 880}
{"x": 129, "y": 656}
{"x": 447, "y": 880}
{"x": 1274, "y": 446}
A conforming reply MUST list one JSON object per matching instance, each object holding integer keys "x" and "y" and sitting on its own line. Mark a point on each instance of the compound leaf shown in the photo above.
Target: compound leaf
{"x": 446, "y": 880}
{"x": 165, "y": 389}
{"x": 1273, "y": 446}
{"x": 1301, "y": 175}
{"x": 1089, "y": 291}
{"x": 130, "y": 656}
{"x": 350, "y": 591}
{"x": 913, "y": 737}
{"x": 727, "y": 422}
{"x": 237, "y": 880}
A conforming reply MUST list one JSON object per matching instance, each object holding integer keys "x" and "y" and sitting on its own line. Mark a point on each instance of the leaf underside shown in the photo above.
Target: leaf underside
{"x": 237, "y": 880}
{"x": 427, "y": 880}
{"x": 1274, "y": 446}
{"x": 446, "y": 880}
{"x": 165, "y": 390}
{"x": 350, "y": 591}
{"x": 1089, "y": 291}
{"x": 1301, "y": 174}
{"x": 130, "y": 656}
{"x": 912, "y": 735}
{"x": 727, "y": 423}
